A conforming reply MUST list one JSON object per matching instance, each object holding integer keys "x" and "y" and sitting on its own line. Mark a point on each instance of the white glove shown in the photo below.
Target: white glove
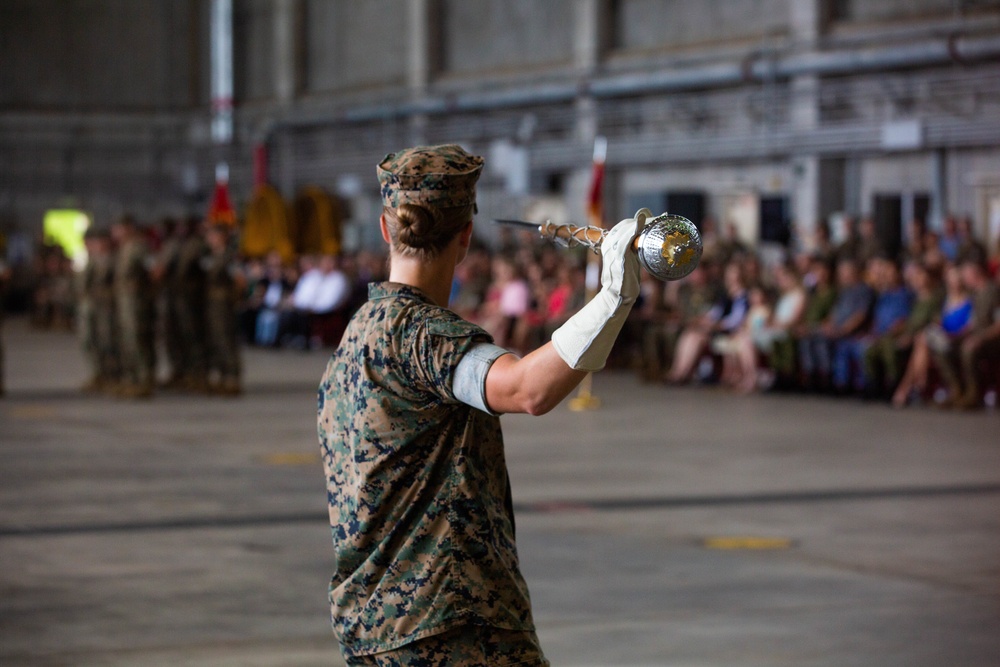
{"x": 585, "y": 340}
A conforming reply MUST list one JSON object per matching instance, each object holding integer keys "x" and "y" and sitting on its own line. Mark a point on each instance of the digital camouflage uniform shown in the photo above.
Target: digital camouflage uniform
{"x": 86, "y": 322}
{"x": 168, "y": 285}
{"x": 419, "y": 501}
{"x": 431, "y": 175}
{"x": 417, "y": 484}
{"x": 463, "y": 646}
{"x": 103, "y": 305}
{"x": 187, "y": 301}
{"x": 221, "y": 296}
{"x": 135, "y": 312}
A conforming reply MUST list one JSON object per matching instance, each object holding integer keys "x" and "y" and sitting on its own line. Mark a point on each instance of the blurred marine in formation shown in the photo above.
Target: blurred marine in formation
{"x": 187, "y": 299}
{"x": 188, "y": 291}
{"x": 224, "y": 282}
{"x": 95, "y": 311}
{"x": 133, "y": 290}
{"x": 165, "y": 279}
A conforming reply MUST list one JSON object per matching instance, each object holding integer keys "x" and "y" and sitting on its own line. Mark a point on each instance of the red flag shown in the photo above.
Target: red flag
{"x": 221, "y": 211}
{"x": 595, "y": 200}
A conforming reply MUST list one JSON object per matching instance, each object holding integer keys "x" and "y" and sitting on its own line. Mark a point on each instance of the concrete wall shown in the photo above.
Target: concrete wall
{"x": 665, "y": 24}
{"x": 972, "y": 176}
{"x": 904, "y": 174}
{"x": 355, "y": 44}
{"x": 881, "y": 10}
{"x": 506, "y": 34}
{"x": 320, "y": 61}
{"x": 253, "y": 50}
{"x": 99, "y": 55}
{"x": 731, "y": 191}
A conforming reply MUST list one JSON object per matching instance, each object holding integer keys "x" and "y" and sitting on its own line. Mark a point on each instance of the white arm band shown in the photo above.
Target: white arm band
{"x": 469, "y": 383}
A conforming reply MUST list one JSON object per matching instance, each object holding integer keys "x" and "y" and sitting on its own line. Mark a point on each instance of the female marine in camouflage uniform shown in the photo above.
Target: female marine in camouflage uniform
{"x": 419, "y": 501}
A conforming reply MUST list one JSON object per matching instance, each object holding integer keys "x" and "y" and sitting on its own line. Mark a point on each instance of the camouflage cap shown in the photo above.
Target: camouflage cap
{"x": 440, "y": 175}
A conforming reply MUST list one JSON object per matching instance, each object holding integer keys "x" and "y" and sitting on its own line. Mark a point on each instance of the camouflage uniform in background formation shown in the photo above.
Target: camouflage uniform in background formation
{"x": 96, "y": 312}
{"x": 223, "y": 281}
{"x": 135, "y": 310}
{"x": 197, "y": 286}
{"x": 165, "y": 277}
{"x": 102, "y": 298}
{"x": 187, "y": 299}
{"x": 85, "y": 320}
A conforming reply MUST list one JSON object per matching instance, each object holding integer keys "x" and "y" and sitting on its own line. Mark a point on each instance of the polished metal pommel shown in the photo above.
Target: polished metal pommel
{"x": 669, "y": 247}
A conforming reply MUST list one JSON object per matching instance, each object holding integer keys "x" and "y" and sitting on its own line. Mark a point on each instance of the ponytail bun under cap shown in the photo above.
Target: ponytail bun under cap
{"x": 442, "y": 176}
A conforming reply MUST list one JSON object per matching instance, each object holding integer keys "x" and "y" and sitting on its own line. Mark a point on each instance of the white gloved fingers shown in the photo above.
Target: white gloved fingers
{"x": 621, "y": 271}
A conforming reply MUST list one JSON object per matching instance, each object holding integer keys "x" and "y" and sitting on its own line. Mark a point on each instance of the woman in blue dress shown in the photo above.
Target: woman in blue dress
{"x": 955, "y": 319}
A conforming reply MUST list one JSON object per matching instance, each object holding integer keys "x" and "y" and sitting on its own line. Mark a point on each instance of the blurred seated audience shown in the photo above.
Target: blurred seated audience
{"x": 939, "y": 337}
{"x": 848, "y": 315}
{"x": 723, "y": 319}
{"x": 869, "y": 245}
{"x": 736, "y": 348}
{"x": 886, "y": 355}
{"x": 772, "y": 341}
{"x": 750, "y": 320}
{"x": 978, "y": 342}
{"x": 893, "y": 303}
{"x": 970, "y": 249}
{"x": 271, "y": 299}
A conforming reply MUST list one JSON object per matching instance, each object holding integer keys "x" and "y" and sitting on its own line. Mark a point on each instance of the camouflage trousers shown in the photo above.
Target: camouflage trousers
{"x": 464, "y": 646}
{"x": 223, "y": 346}
{"x": 135, "y": 338}
{"x": 188, "y": 310}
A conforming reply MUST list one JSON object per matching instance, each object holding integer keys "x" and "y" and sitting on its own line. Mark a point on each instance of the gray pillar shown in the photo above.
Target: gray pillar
{"x": 804, "y": 18}
{"x": 418, "y": 73}
{"x": 222, "y": 70}
{"x": 588, "y": 17}
{"x": 287, "y": 32}
{"x": 422, "y": 58}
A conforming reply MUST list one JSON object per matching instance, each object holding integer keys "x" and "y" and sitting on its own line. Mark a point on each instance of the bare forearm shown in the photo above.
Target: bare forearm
{"x": 533, "y": 385}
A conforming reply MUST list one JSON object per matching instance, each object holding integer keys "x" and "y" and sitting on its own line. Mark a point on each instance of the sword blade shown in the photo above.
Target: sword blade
{"x": 519, "y": 223}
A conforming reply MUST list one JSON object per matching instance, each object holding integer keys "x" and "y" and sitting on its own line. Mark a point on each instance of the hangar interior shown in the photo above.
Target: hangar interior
{"x": 760, "y": 113}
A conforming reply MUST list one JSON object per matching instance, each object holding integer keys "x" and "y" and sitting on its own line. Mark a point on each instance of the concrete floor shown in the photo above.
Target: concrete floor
{"x": 191, "y": 531}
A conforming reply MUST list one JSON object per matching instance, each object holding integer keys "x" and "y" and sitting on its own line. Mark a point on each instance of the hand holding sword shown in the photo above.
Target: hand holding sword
{"x": 669, "y": 246}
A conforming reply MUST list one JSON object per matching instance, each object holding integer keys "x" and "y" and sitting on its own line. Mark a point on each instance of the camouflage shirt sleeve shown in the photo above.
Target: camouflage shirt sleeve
{"x": 440, "y": 347}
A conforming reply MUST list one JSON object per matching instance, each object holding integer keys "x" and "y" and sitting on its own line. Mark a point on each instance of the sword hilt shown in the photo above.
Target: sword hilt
{"x": 669, "y": 246}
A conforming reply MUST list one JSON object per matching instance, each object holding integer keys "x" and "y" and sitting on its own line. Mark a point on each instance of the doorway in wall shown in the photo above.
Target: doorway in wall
{"x": 774, "y": 223}
{"x": 888, "y": 214}
{"x": 891, "y": 212}
{"x": 688, "y": 204}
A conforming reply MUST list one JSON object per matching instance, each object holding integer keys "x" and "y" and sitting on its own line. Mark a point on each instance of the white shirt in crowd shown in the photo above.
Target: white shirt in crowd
{"x": 332, "y": 293}
{"x": 306, "y": 289}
